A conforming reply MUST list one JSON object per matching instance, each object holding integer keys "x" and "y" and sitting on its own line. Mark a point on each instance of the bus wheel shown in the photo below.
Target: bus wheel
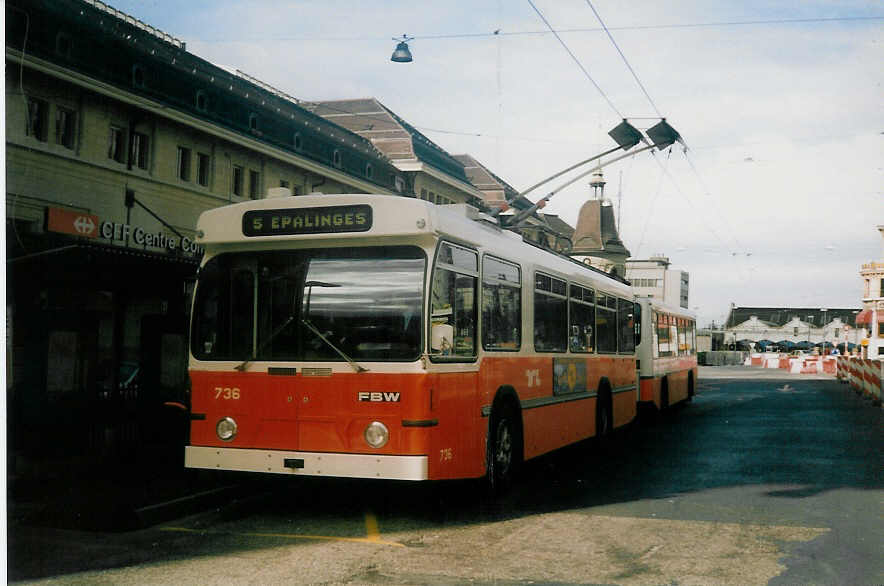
{"x": 664, "y": 394}
{"x": 504, "y": 449}
{"x": 604, "y": 420}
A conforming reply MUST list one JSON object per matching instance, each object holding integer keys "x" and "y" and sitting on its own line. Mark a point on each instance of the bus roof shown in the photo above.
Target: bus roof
{"x": 663, "y": 307}
{"x": 375, "y": 218}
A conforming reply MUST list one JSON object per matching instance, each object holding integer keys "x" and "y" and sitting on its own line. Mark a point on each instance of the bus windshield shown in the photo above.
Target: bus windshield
{"x": 365, "y": 302}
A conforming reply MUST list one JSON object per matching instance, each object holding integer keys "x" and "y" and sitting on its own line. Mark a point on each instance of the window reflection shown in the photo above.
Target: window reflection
{"x": 367, "y": 302}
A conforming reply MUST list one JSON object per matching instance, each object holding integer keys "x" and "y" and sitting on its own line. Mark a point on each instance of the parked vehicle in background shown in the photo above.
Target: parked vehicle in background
{"x": 667, "y": 354}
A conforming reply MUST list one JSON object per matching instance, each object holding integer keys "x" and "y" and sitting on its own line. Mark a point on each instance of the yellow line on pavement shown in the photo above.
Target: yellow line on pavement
{"x": 370, "y": 539}
{"x": 371, "y": 527}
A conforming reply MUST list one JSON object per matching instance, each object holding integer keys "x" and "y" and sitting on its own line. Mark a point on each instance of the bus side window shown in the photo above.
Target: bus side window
{"x": 625, "y": 326}
{"x": 582, "y": 316}
{"x": 501, "y": 305}
{"x": 453, "y": 303}
{"x": 550, "y": 314}
{"x": 637, "y": 322}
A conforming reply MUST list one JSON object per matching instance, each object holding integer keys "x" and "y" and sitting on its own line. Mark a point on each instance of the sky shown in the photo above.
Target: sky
{"x": 777, "y": 199}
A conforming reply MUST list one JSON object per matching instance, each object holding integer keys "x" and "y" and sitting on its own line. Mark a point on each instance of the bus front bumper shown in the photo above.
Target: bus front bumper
{"x": 307, "y": 463}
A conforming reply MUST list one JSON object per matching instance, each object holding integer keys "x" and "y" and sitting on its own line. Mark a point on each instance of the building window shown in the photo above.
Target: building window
{"x": 116, "y": 144}
{"x": 65, "y": 126}
{"x": 237, "y": 180}
{"x": 423, "y": 194}
{"x": 137, "y": 76}
{"x": 253, "y": 122}
{"x": 880, "y": 330}
{"x": 369, "y": 172}
{"x": 882, "y": 288}
{"x": 140, "y": 150}
{"x": 202, "y": 169}
{"x": 336, "y": 158}
{"x": 38, "y": 111}
{"x": 254, "y": 184}
{"x": 202, "y": 101}
{"x": 63, "y": 44}
{"x": 184, "y": 163}
{"x": 284, "y": 183}
{"x": 299, "y": 142}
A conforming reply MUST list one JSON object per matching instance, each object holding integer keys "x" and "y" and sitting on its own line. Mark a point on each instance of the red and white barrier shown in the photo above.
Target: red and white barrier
{"x": 864, "y": 375}
{"x": 802, "y": 365}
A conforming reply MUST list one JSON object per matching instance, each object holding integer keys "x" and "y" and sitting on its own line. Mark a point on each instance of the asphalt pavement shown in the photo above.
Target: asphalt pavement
{"x": 769, "y": 477}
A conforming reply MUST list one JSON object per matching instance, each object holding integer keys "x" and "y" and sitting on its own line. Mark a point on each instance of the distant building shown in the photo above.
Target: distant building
{"x": 789, "y": 327}
{"x": 871, "y": 318}
{"x": 653, "y": 278}
{"x": 596, "y": 240}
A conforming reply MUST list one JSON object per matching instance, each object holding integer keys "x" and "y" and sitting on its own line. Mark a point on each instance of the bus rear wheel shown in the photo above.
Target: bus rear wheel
{"x": 604, "y": 420}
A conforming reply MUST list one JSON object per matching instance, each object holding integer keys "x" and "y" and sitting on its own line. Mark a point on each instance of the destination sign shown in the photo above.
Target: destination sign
{"x": 354, "y": 218}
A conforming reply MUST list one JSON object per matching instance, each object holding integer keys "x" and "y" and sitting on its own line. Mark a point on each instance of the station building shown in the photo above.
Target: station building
{"x": 117, "y": 139}
{"x": 653, "y": 278}
{"x": 790, "y": 327}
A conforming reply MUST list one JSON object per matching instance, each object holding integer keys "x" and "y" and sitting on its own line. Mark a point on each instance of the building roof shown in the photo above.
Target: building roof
{"x": 780, "y": 316}
{"x": 392, "y": 135}
{"x": 119, "y": 51}
{"x": 557, "y": 224}
{"x": 492, "y": 186}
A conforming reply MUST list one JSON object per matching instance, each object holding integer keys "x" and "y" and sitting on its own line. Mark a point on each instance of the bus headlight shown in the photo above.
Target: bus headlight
{"x": 376, "y": 434}
{"x": 226, "y": 429}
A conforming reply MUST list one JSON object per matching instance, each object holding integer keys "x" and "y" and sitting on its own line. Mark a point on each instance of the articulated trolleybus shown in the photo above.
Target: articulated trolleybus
{"x": 667, "y": 354}
{"x": 375, "y": 336}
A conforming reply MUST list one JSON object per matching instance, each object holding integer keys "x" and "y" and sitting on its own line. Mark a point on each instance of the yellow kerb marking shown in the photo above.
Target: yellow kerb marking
{"x": 375, "y": 539}
{"x": 371, "y": 527}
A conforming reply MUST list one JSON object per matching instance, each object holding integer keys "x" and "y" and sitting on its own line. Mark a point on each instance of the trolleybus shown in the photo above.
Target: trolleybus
{"x": 667, "y": 354}
{"x": 375, "y": 336}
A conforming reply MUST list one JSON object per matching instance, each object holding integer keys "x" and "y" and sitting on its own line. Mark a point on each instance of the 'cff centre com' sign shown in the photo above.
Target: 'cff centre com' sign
{"x": 90, "y": 226}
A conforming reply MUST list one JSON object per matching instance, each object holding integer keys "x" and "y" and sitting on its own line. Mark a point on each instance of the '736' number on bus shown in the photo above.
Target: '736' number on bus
{"x": 226, "y": 393}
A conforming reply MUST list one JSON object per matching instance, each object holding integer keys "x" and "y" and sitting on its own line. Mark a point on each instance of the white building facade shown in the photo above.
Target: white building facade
{"x": 871, "y": 318}
{"x": 653, "y": 278}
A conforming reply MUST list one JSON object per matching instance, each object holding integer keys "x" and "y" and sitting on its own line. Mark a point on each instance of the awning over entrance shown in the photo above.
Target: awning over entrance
{"x": 90, "y": 262}
{"x": 865, "y": 317}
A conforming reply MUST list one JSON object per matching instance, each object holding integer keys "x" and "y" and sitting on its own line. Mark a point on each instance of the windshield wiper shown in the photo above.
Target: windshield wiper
{"x": 340, "y": 352}
{"x": 264, "y": 344}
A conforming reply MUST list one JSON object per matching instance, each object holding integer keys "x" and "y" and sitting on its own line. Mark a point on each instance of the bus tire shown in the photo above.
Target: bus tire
{"x": 664, "y": 394}
{"x": 504, "y": 449}
{"x": 691, "y": 391}
{"x": 604, "y": 416}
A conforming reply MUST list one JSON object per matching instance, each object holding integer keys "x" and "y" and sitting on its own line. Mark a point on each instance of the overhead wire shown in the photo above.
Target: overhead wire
{"x": 500, "y": 33}
{"x": 663, "y": 168}
{"x": 651, "y": 207}
{"x": 625, "y": 60}
{"x": 575, "y": 59}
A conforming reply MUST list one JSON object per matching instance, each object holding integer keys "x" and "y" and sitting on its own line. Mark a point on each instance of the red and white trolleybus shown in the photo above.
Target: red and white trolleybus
{"x": 376, "y": 336}
{"x": 667, "y": 354}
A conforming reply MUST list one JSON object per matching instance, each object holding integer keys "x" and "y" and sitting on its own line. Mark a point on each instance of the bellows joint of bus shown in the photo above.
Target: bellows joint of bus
{"x": 661, "y": 136}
